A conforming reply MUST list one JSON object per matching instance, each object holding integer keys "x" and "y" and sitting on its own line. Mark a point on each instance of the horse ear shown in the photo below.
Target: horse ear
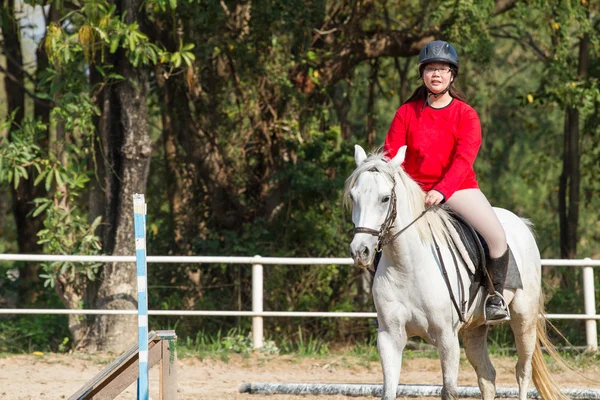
{"x": 359, "y": 155}
{"x": 399, "y": 158}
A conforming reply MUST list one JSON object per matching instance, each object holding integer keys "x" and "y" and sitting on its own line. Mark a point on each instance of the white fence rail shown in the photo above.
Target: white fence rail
{"x": 258, "y": 313}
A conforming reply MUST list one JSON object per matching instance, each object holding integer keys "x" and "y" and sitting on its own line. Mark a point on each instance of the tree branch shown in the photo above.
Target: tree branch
{"x": 370, "y": 45}
{"x": 15, "y": 80}
{"x": 503, "y": 6}
{"x": 527, "y": 41}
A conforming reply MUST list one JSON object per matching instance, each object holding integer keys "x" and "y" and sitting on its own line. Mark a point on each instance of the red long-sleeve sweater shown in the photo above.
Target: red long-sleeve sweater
{"x": 442, "y": 144}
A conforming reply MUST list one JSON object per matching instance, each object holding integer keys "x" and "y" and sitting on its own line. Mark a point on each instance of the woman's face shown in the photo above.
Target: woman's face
{"x": 437, "y": 76}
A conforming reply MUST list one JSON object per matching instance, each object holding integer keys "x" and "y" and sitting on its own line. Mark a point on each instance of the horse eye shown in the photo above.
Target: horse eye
{"x": 385, "y": 199}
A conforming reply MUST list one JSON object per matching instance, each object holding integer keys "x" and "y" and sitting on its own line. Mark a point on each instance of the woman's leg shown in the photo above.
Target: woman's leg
{"x": 472, "y": 205}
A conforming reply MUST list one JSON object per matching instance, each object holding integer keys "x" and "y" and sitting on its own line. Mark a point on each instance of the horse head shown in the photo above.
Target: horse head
{"x": 371, "y": 191}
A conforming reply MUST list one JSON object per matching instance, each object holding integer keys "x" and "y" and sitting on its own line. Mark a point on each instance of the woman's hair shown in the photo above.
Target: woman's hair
{"x": 422, "y": 92}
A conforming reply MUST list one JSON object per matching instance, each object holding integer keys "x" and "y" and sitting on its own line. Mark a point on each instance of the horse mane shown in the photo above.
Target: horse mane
{"x": 438, "y": 218}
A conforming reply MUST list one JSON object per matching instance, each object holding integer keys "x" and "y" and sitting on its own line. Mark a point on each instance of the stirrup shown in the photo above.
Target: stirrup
{"x": 503, "y": 304}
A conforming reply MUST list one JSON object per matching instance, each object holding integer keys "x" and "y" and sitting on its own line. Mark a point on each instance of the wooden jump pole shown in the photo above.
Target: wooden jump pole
{"x": 124, "y": 371}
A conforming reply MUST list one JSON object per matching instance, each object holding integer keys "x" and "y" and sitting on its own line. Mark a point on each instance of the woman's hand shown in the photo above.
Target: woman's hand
{"x": 433, "y": 198}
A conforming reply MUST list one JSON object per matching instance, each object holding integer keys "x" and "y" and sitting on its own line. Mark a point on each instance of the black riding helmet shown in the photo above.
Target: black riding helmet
{"x": 438, "y": 51}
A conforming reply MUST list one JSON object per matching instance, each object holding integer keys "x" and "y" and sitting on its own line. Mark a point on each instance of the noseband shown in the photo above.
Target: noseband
{"x": 383, "y": 238}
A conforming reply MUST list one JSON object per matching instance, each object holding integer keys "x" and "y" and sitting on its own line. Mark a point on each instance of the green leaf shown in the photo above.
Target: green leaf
{"x": 23, "y": 172}
{"x": 116, "y": 76}
{"x": 41, "y": 209}
{"x": 131, "y": 43}
{"x": 49, "y": 181}
{"x": 188, "y": 58}
{"x": 114, "y": 44}
{"x": 102, "y": 34}
{"x": 39, "y": 178}
{"x": 176, "y": 59}
{"x": 188, "y": 46}
{"x": 96, "y": 223}
{"x": 64, "y": 267}
{"x": 59, "y": 178}
{"x": 173, "y": 4}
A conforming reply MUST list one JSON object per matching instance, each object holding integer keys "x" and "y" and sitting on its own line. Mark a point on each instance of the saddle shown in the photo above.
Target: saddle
{"x": 478, "y": 251}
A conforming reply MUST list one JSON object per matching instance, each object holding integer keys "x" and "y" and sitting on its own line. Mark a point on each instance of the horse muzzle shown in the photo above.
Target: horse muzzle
{"x": 362, "y": 255}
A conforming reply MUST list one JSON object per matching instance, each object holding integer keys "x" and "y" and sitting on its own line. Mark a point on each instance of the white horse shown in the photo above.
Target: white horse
{"x": 411, "y": 295}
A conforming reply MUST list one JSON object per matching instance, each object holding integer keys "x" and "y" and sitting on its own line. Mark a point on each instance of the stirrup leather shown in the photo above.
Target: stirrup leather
{"x": 503, "y": 304}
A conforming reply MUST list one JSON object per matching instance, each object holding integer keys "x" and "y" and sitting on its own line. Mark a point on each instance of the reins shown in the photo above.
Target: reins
{"x": 460, "y": 310}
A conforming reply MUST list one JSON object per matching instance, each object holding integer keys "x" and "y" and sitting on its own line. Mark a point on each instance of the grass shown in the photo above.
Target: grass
{"x": 235, "y": 346}
{"x": 310, "y": 346}
{"x": 224, "y": 345}
{"x": 214, "y": 346}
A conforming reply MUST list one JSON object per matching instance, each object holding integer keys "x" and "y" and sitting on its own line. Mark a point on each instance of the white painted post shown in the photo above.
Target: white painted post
{"x": 589, "y": 307}
{"x": 139, "y": 223}
{"x": 257, "y": 304}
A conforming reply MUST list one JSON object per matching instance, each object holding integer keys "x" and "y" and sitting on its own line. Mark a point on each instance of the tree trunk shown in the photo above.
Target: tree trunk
{"x": 404, "y": 88}
{"x": 180, "y": 178}
{"x": 340, "y": 100}
{"x": 101, "y": 194}
{"x": 25, "y": 192}
{"x": 129, "y": 149}
{"x": 568, "y": 201}
{"x": 183, "y": 190}
{"x": 371, "y": 128}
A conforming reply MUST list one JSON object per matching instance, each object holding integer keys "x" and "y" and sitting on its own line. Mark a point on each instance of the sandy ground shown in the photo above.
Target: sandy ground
{"x": 57, "y": 376}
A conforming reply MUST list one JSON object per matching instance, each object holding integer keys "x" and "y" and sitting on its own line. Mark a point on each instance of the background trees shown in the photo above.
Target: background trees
{"x": 237, "y": 119}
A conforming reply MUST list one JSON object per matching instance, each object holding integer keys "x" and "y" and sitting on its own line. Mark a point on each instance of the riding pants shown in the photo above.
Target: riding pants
{"x": 473, "y": 206}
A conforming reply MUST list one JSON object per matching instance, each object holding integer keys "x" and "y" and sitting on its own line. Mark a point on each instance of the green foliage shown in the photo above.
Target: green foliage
{"x": 29, "y": 333}
{"x": 68, "y": 232}
{"x": 214, "y": 344}
{"x": 20, "y": 152}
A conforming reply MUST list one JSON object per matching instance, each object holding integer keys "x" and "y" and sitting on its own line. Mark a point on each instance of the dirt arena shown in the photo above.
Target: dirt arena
{"x": 57, "y": 376}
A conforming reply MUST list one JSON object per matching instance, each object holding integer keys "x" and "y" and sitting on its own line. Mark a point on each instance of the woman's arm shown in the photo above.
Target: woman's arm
{"x": 396, "y": 136}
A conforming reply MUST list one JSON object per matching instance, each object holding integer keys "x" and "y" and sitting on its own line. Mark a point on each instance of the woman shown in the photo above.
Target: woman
{"x": 443, "y": 135}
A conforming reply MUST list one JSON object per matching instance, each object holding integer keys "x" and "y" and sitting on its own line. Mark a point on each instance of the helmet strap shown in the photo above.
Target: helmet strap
{"x": 443, "y": 92}
{"x": 436, "y": 95}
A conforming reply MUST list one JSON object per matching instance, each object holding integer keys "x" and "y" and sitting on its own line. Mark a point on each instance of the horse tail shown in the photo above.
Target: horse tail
{"x": 545, "y": 385}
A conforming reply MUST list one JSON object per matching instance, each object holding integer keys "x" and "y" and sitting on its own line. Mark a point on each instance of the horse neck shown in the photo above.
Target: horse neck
{"x": 408, "y": 249}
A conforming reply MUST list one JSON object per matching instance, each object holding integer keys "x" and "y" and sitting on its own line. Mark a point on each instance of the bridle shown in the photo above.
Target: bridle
{"x": 383, "y": 238}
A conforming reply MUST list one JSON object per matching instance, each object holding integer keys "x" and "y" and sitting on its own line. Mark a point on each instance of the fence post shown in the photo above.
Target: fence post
{"x": 589, "y": 307}
{"x": 257, "y": 304}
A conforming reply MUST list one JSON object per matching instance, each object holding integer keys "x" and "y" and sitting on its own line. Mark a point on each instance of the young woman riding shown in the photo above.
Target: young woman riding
{"x": 443, "y": 135}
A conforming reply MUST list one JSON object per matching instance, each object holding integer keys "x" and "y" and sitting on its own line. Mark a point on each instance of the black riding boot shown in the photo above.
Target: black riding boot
{"x": 497, "y": 268}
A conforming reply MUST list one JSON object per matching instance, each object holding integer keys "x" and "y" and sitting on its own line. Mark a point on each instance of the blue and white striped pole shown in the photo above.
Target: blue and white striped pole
{"x": 139, "y": 222}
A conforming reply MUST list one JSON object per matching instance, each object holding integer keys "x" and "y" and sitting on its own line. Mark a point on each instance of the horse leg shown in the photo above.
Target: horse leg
{"x": 523, "y": 328}
{"x": 475, "y": 344}
{"x": 450, "y": 357}
{"x": 390, "y": 344}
